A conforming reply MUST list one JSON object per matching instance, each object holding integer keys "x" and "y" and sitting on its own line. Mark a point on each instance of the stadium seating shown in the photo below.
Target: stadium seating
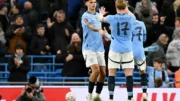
{"x": 49, "y": 74}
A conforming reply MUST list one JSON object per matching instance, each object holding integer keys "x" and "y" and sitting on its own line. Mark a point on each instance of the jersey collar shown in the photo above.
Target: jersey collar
{"x": 122, "y": 14}
{"x": 91, "y": 13}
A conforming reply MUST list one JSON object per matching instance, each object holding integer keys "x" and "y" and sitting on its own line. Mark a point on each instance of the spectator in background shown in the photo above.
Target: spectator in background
{"x": 168, "y": 13}
{"x": 3, "y": 27}
{"x": 173, "y": 52}
{"x": 59, "y": 33}
{"x": 155, "y": 30}
{"x": 146, "y": 16}
{"x": 18, "y": 33}
{"x": 18, "y": 65}
{"x": 3, "y": 48}
{"x": 75, "y": 64}
{"x": 176, "y": 4}
{"x": 31, "y": 15}
{"x": 3, "y": 16}
{"x": 158, "y": 76}
{"x": 16, "y": 10}
{"x": 145, "y": 9}
{"x": 177, "y": 26}
{"x": 160, "y": 53}
{"x": 177, "y": 79}
{"x": 39, "y": 44}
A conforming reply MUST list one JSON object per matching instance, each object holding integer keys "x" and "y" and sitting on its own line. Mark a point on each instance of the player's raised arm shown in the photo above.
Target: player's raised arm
{"x": 102, "y": 12}
{"x": 107, "y": 19}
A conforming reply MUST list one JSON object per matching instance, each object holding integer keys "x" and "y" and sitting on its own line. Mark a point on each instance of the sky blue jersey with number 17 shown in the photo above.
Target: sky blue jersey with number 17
{"x": 121, "y": 32}
{"x": 139, "y": 37}
{"x": 92, "y": 40}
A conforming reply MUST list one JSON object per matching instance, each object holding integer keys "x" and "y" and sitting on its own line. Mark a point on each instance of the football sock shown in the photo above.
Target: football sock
{"x": 91, "y": 87}
{"x": 99, "y": 87}
{"x": 129, "y": 84}
{"x": 111, "y": 85}
{"x": 144, "y": 83}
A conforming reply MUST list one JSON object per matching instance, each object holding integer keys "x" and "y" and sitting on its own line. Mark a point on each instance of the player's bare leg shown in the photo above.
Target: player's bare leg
{"x": 111, "y": 83}
{"x": 92, "y": 79}
{"x": 100, "y": 83}
{"x": 129, "y": 82}
{"x": 144, "y": 84}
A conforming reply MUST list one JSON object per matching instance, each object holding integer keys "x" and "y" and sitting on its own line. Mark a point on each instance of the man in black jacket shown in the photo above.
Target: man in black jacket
{"x": 3, "y": 16}
{"x": 18, "y": 65}
{"x": 39, "y": 43}
{"x": 59, "y": 33}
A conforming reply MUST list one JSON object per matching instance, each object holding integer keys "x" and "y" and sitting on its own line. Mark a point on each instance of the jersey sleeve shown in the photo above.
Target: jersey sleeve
{"x": 166, "y": 77}
{"x": 109, "y": 18}
{"x": 85, "y": 20}
{"x": 108, "y": 36}
{"x": 133, "y": 21}
{"x": 149, "y": 69}
{"x": 144, "y": 32}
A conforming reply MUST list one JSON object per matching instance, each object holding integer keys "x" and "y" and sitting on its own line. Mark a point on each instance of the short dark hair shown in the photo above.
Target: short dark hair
{"x": 39, "y": 26}
{"x": 2, "y": 5}
{"x": 85, "y": 0}
{"x": 18, "y": 6}
{"x": 155, "y": 14}
{"x": 19, "y": 46}
{"x": 158, "y": 60}
{"x": 19, "y": 16}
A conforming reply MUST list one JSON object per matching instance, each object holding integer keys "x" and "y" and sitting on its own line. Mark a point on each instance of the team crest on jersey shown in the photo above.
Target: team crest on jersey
{"x": 86, "y": 20}
{"x": 97, "y": 18}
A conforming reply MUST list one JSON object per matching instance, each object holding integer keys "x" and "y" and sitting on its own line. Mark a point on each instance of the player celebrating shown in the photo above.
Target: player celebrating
{"x": 93, "y": 49}
{"x": 139, "y": 36}
{"x": 121, "y": 51}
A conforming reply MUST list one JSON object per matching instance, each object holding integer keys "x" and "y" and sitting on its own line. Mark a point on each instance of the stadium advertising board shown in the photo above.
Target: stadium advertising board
{"x": 54, "y": 93}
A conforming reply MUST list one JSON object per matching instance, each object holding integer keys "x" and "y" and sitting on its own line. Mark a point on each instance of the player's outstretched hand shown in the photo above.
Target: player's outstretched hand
{"x": 102, "y": 11}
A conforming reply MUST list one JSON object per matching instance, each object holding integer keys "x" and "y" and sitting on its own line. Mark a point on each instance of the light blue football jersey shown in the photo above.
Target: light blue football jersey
{"x": 139, "y": 36}
{"x": 121, "y": 32}
{"x": 91, "y": 40}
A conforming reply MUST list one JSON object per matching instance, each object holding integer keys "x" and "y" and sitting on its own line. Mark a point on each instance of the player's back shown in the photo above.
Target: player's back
{"x": 139, "y": 37}
{"x": 91, "y": 40}
{"x": 121, "y": 31}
